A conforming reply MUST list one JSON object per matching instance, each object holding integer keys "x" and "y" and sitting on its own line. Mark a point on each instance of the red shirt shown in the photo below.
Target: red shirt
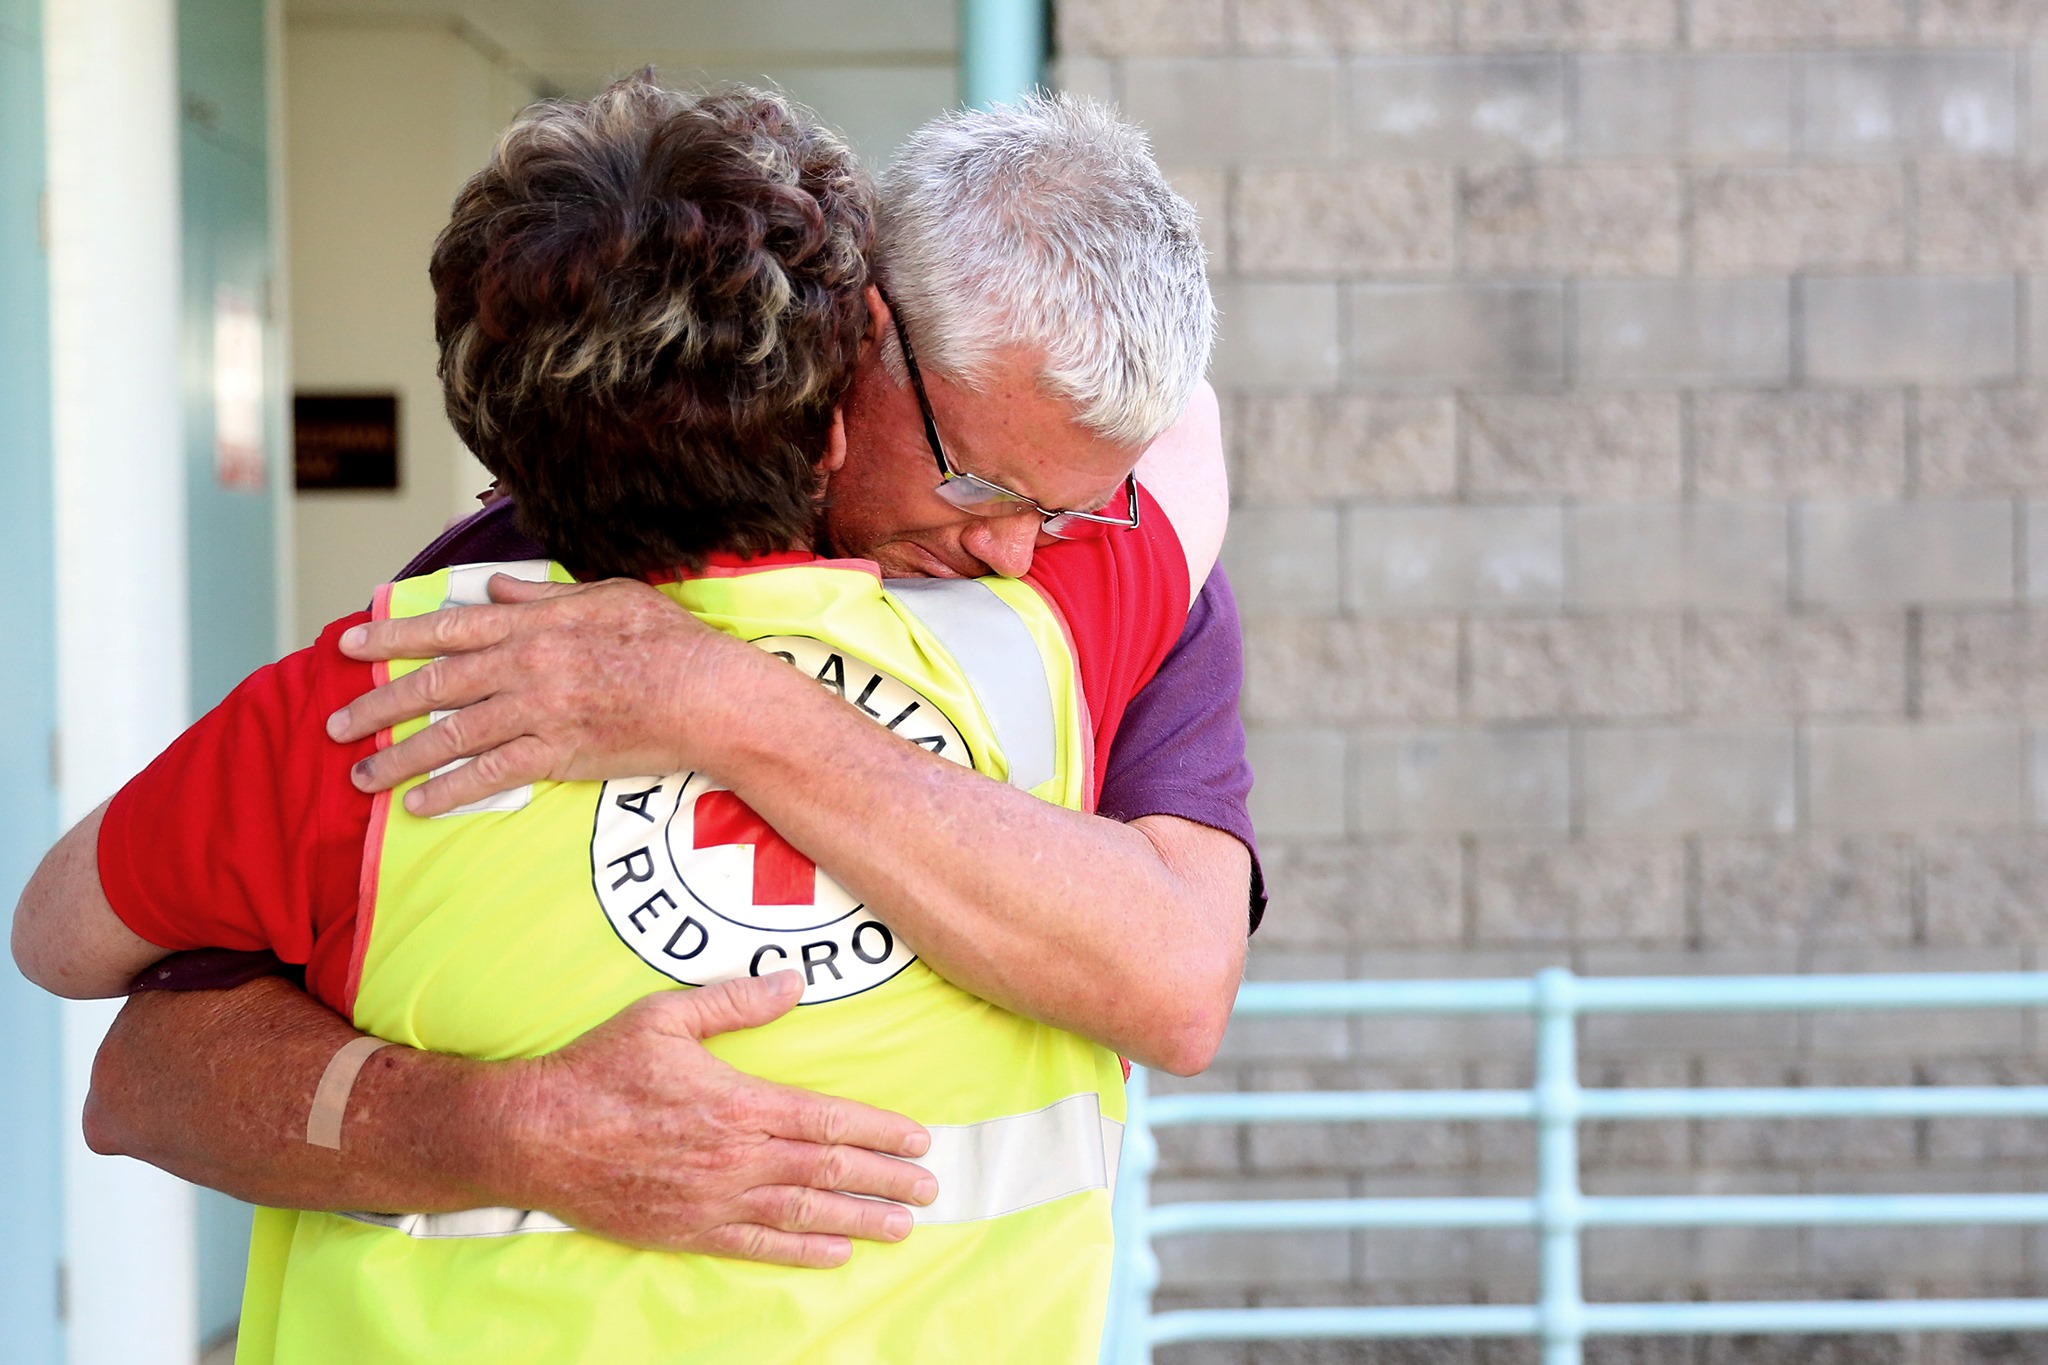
{"x": 247, "y": 833}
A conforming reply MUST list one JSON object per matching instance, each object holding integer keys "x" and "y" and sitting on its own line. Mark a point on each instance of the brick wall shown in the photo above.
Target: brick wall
{"x": 1642, "y": 533}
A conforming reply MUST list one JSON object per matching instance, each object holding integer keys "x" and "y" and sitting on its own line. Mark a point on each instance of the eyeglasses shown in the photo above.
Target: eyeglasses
{"x": 973, "y": 494}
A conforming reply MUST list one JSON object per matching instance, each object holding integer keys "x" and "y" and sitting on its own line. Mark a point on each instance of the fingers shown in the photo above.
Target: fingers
{"x": 771, "y": 1246}
{"x": 515, "y": 763}
{"x": 743, "y": 1003}
{"x": 806, "y": 1228}
{"x": 451, "y": 630}
{"x": 829, "y": 1121}
{"x": 849, "y": 1170}
{"x": 806, "y": 1210}
{"x": 440, "y": 684}
{"x": 469, "y": 730}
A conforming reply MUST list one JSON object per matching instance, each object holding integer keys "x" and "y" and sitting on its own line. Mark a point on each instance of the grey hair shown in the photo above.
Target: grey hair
{"x": 1046, "y": 223}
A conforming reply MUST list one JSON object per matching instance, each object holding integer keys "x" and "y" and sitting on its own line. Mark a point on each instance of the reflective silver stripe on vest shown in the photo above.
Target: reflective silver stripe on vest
{"x": 1017, "y": 1162}
{"x": 985, "y": 1170}
{"x": 467, "y": 1223}
{"x": 469, "y": 585}
{"x": 995, "y": 649}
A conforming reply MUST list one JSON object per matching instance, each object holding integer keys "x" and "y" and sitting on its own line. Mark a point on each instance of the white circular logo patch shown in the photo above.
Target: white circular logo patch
{"x": 702, "y": 890}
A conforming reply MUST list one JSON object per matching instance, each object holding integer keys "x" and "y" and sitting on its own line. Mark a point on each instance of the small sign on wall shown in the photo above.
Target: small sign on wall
{"x": 345, "y": 440}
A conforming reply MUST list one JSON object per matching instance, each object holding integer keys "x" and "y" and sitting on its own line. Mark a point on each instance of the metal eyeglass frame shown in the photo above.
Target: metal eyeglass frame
{"x": 971, "y": 493}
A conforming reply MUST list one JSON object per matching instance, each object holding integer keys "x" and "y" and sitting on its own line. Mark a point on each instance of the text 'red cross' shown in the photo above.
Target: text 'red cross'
{"x": 782, "y": 876}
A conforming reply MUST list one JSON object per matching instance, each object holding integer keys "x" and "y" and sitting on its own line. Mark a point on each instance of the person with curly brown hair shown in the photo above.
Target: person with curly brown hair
{"x": 1066, "y": 299}
{"x": 652, "y": 309}
{"x": 649, "y": 308}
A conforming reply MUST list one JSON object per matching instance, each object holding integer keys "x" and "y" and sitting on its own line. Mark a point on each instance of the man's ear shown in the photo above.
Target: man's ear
{"x": 834, "y": 457}
{"x": 878, "y": 317}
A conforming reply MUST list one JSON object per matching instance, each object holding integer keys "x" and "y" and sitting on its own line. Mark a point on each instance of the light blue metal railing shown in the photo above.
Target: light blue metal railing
{"x": 1558, "y": 1212}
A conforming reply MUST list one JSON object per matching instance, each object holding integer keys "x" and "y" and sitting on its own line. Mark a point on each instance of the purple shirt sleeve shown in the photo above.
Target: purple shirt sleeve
{"x": 1180, "y": 750}
{"x": 486, "y": 536}
{"x": 213, "y": 969}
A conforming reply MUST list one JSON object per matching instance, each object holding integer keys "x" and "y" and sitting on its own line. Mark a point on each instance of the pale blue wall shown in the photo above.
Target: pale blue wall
{"x": 31, "y": 1227}
{"x": 224, "y": 146}
{"x": 227, "y": 244}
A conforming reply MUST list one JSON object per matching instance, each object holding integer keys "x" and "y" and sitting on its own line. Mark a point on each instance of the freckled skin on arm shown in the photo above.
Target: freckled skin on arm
{"x": 1129, "y": 934}
{"x": 634, "y": 1132}
{"x": 1042, "y": 910}
{"x": 1132, "y": 935}
{"x": 67, "y": 938}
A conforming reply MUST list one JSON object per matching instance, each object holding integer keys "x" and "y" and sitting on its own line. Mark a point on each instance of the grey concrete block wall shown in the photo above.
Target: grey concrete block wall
{"x": 1866, "y": 552}
{"x": 1592, "y": 447}
{"x": 1457, "y": 557}
{"x": 1451, "y": 335}
{"x": 1680, "y": 554}
{"x": 1865, "y": 329}
{"x": 1695, "y": 332}
{"x": 1749, "y": 220}
{"x": 1638, "y": 421}
{"x": 1704, "y": 107}
{"x": 1793, "y": 442}
{"x": 1455, "y": 108}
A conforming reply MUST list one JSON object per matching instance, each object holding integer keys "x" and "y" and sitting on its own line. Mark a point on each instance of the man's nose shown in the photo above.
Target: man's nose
{"x": 1003, "y": 543}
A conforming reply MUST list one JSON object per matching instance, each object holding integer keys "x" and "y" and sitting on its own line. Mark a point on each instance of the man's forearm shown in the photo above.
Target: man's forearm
{"x": 633, "y": 1132}
{"x": 215, "y": 1086}
{"x": 1132, "y": 935}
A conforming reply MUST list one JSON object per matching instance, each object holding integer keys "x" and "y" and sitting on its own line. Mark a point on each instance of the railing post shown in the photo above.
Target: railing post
{"x": 1134, "y": 1272}
{"x": 1002, "y": 50}
{"x": 1561, "y": 1307}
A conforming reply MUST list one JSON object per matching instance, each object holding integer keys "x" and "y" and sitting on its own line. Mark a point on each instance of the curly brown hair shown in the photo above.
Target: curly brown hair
{"x": 648, "y": 305}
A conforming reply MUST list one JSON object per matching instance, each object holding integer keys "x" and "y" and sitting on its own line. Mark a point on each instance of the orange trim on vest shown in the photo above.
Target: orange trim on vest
{"x": 366, "y": 898}
{"x": 373, "y": 844}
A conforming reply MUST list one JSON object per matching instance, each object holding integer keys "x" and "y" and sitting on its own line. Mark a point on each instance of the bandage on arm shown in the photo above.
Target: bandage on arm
{"x": 330, "y": 1097}
{"x": 217, "y": 1086}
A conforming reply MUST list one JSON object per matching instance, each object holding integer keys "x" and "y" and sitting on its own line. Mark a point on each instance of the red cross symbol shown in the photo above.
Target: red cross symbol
{"x": 782, "y": 876}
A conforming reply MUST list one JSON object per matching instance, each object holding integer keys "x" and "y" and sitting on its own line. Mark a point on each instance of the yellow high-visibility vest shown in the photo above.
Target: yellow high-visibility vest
{"x": 511, "y": 928}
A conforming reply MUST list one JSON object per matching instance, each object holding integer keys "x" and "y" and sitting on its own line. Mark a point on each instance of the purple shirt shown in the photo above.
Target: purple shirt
{"x": 1180, "y": 748}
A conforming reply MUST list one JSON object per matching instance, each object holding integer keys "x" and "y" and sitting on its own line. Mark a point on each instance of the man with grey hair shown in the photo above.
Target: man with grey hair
{"x": 1055, "y": 322}
{"x": 1102, "y": 272}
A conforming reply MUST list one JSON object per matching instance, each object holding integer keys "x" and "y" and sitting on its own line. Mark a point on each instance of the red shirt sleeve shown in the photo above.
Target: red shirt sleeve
{"x": 1125, "y": 597}
{"x": 247, "y": 833}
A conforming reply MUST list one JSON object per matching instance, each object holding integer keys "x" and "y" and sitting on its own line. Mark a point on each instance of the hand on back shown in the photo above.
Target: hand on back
{"x": 636, "y": 1133}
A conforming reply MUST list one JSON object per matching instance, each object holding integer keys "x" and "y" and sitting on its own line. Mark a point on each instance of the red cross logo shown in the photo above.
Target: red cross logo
{"x": 782, "y": 876}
